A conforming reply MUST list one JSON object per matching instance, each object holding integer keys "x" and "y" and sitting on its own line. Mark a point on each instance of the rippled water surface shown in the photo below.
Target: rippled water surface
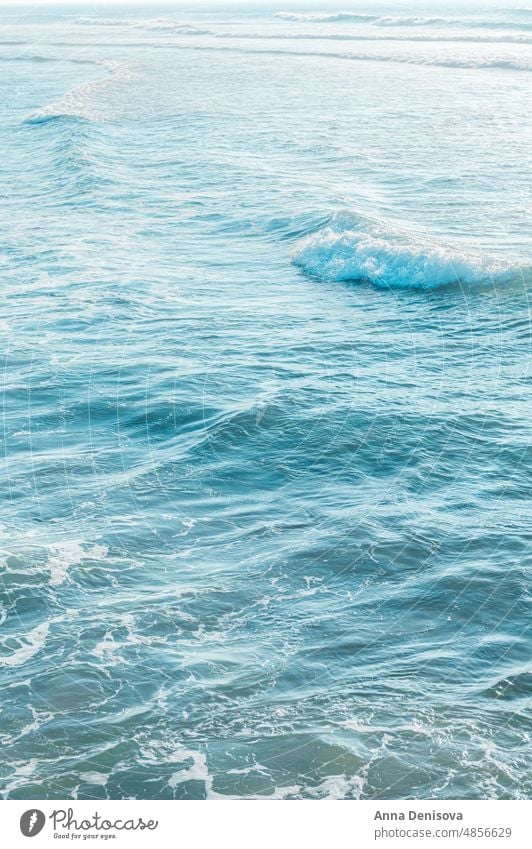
{"x": 265, "y": 323}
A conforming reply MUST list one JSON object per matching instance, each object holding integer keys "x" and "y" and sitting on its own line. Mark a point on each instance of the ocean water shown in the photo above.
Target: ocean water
{"x": 265, "y": 526}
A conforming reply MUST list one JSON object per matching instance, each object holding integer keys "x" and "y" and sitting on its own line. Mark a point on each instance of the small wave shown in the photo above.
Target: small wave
{"x": 80, "y": 101}
{"x": 465, "y": 38}
{"x": 324, "y": 17}
{"x": 496, "y": 63}
{"x": 162, "y": 24}
{"x": 402, "y": 20}
{"x": 511, "y": 687}
{"x": 354, "y": 248}
{"x": 43, "y": 118}
{"x": 29, "y": 58}
{"x": 414, "y": 21}
{"x": 101, "y": 22}
{"x": 37, "y": 57}
{"x": 168, "y": 25}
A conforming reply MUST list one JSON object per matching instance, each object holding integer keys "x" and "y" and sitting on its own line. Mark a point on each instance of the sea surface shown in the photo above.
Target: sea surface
{"x": 266, "y": 418}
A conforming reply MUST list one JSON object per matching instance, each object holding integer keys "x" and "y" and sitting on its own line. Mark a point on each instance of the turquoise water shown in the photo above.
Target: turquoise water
{"x": 265, "y": 323}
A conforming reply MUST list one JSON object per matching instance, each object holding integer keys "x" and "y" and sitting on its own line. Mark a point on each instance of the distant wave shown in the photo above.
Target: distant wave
{"x": 401, "y": 20}
{"x": 177, "y": 27}
{"x": 168, "y": 25}
{"x": 79, "y": 102}
{"x": 519, "y": 10}
{"x": 37, "y": 57}
{"x": 163, "y": 24}
{"x": 498, "y": 62}
{"x": 350, "y": 247}
{"x": 466, "y": 38}
{"x": 102, "y": 22}
{"x": 28, "y": 57}
{"x": 324, "y": 17}
{"x": 412, "y": 21}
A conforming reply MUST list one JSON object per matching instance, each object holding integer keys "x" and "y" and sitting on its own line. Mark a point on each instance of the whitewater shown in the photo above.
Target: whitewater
{"x": 265, "y": 527}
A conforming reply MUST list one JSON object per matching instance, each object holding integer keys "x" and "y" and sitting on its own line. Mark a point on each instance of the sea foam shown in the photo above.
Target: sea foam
{"x": 27, "y": 646}
{"x": 85, "y": 101}
{"x": 350, "y": 247}
{"x": 325, "y": 17}
{"x": 404, "y": 21}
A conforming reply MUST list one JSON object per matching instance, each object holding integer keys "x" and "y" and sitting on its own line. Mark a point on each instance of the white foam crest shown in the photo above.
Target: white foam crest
{"x": 109, "y": 647}
{"x": 507, "y": 63}
{"x": 352, "y": 248}
{"x": 197, "y": 771}
{"x": 39, "y": 718}
{"x": 502, "y": 62}
{"x": 325, "y": 17}
{"x": 21, "y": 771}
{"x": 336, "y": 787}
{"x": 84, "y": 101}
{"x": 28, "y": 645}
{"x": 169, "y": 25}
{"x": 163, "y": 24}
{"x": 102, "y": 22}
{"x": 99, "y": 778}
{"x": 384, "y": 37}
{"x": 476, "y": 24}
{"x": 69, "y": 553}
{"x": 413, "y": 21}
{"x": 401, "y": 20}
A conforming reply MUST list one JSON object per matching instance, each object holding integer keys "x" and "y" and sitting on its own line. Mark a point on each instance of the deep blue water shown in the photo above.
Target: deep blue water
{"x": 265, "y": 322}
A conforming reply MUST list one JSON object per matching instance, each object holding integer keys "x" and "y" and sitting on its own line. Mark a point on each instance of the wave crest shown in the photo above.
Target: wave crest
{"x": 83, "y": 101}
{"x": 405, "y": 21}
{"x": 324, "y": 17}
{"x": 162, "y": 24}
{"x": 354, "y": 248}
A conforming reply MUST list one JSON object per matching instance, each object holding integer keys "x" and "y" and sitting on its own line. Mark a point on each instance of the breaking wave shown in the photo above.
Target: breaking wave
{"x": 402, "y": 20}
{"x": 354, "y": 248}
{"x": 162, "y": 24}
{"x": 455, "y": 38}
{"x": 37, "y": 57}
{"x": 505, "y": 62}
{"x": 80, "y": 102}
{"x": 324, "y": 17}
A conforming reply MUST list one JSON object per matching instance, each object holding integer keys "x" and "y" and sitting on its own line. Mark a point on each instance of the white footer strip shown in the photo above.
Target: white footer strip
{"x": 254, "y": 824}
